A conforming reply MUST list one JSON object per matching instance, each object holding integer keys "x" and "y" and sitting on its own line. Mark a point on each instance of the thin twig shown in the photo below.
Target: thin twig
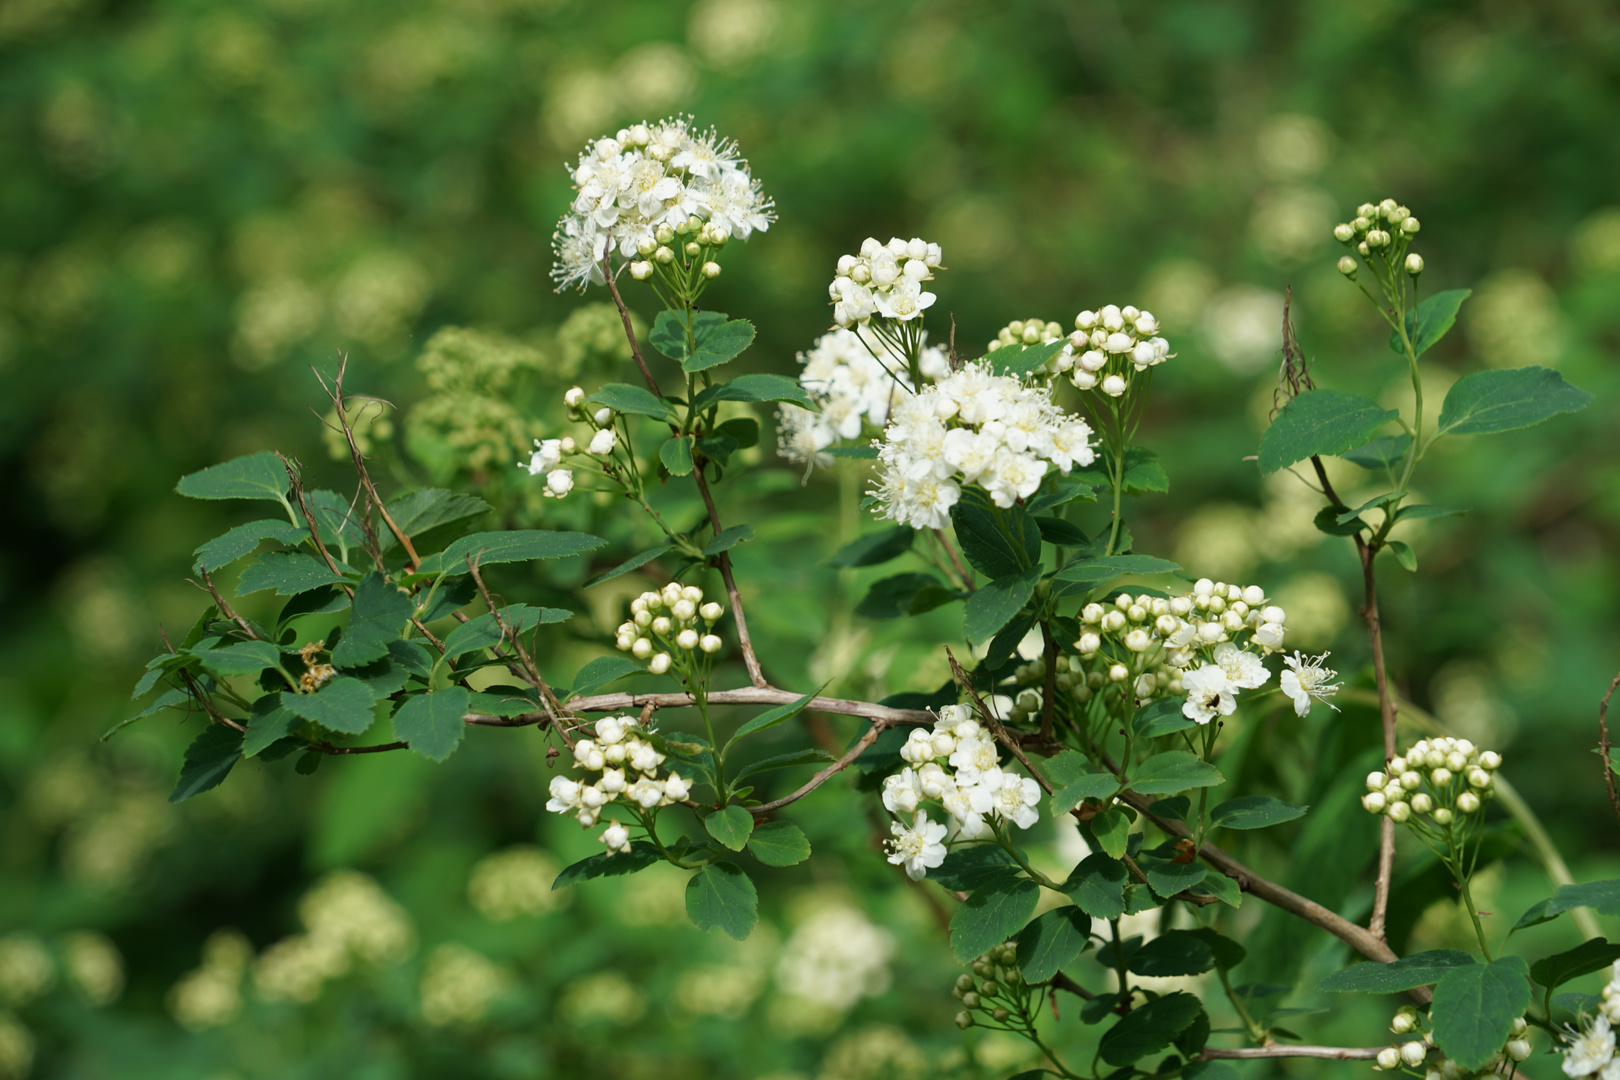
{"x": 335, "y": 392}
{"x": 247, "y": 627}
{"x": 1278, "y": 1050}
{"x": 723, "y": 563}
{"x": 1603, "y": 746}
{"x": 525, "y": 668}
{"x": 629, "y": 329}
{"x": 826, "y": 774}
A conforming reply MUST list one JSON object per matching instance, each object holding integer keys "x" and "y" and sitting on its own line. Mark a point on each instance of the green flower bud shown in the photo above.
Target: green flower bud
{"x": 971, "y": 1000}
{"x": 964, "y": 1020}
{"x": 1344, "y": 233}
{"x": 1414, "y": 264}
{"x": 1001, "y": 1016}
{"x": 1347, "y": 267}
{"x": 991, "y": 989}
{"x": 964, "y": 983}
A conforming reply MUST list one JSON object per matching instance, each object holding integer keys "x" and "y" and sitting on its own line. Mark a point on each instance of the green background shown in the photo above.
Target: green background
{"x": 198, "y": 201}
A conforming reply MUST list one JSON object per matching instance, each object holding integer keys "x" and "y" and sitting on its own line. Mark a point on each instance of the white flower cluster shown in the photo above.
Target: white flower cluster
{"x": 547, "y": 459}
{"x": 1417, "y": 1050}
{"x": 636, "y": 191}
{"x": 957, "y": 765}
{"x": 1384, "y": 230}
{"x": 1589, "y": 1050}
{"x": 884, "y": 279}
{"x": 666, "y": 620}
{"x": 629, "y": 766}
{"x": 1149, "y": 645}
{"x": 973, "y": 427}
{"x": 1112, "y": 345}
{"x": 854, "y": 388}
{"x": 1440, "y": 777}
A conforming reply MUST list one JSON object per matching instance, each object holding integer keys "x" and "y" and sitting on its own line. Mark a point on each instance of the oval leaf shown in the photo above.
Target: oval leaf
{"x": 992, "y": 915}
{"x": 1052, "y": 942}
{"x": 1254, "y": 812}
{"x": 254, "y": 476}
{"x": 779, "y": 843}
{"x": 1490, "y": 401}
{"x": 432, "y": 724}
{"x": 1320, "y": 422}
{"x": 1474, "y": 1009}
{"x": 721, "y": 895}
{"x": 731, "y": 826}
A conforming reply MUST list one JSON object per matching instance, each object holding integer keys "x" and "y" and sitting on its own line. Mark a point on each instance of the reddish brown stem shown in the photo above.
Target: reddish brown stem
{"x": 1603, "y": 746}
{"x": 723, "y": 562}
{"x": 629, "y": 329}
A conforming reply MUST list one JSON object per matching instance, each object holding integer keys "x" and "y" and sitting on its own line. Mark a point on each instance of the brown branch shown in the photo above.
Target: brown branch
{"x": 201, "y": 699}
{"x": 1061, "y": 981}
{"x": 335, "y": 392}
{"x": 629, "y": 329}
{"x": 525, "y": 668}
{"x": 723, "y": 562}
{"x": 956, "y": 561}
{"x": 826, "y": 774}
{"x": 1049, "y": 682}
{"x": 304, "y": 508}
{"x": 753, "y": 695}
{"x": 247, "y": 628}
{"x": 1277, "y": 1050}
{"x": 1603, "y": 746}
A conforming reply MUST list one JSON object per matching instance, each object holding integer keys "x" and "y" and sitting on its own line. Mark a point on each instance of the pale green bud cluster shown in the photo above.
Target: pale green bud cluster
{"x": 996, "y": 990}
{"x": 1439, "y": 778}
{"x": 673, "y": 619}
{"x": 1416, "y": 1050}
{"x": 1025, "y": 332}
{"x": 1380, "y": 231}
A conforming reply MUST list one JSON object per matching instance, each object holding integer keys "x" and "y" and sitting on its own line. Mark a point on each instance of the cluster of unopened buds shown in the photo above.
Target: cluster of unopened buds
{"x": 548, "y": 456}
{"x": 956, "y": 764}
{"x": 996, "y": 989}
{"x": 315, "y": 673}
{"x": 629, "y": 766}
{"x": 1589, "y": 1046}
{"x": 884, "y": 279}
{"x": 1437, "y": 777}
{"x": 1112, "y": 344}
{"x": 1383, "y": 230}
{"x": 673, "y": 619}
{"x": 1417, "y": 1050}
{"x": 696, "y": 239}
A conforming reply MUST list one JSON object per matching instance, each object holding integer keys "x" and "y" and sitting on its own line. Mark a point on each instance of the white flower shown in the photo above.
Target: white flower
{"x": 969, "y": 822}
{"x": 1306, "y": 679}
{"x": 918, "y": 848}
{"x": 1209, "y": 694}
{"x": 884, "y": 279}
{"x": 560, "y": 482}
{"x": 617, "y": 838}
{"x": 1243, "y": 669}
{"x": 564, "y": 795}
{"x": 602, "y": 442}
{"x": 545, "y": 457}
{"x": 1013, "y": 798}
{"x": 901, "y": 792}
{"x": 676, "y": 788}
{"x": 1588, "y": 1049}
{"x": 975, "y": 759}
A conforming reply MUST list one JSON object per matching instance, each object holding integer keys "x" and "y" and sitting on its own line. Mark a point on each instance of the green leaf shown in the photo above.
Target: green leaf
{"x": 892, "y": 597}
{"x": 1167, "y": 877}
{"x": 969, "y": 868}
{"x": 1490, "y": 401}
{"x": 1319, "y": 422}
{"x": 1419, "y": 969}
{"x": 169, "y": 699}
{"x": 511, "y": 703}
{"x": 636, "y": 562}
{"x": 432, "y": 724}
{"x": 1403, "y": 554}
{"x": 209, "y": 758}
{"x": 600, "y": 672}
{"x": 624, "y": 398}
{"x": 744, "y": 430}
{"x": 784, "y": 761}
{"x": 335, "y": 517}
{"x": 255, "y": 476}
{"x": 1172, "y": 772}
{"x": 1065, "y": 489}
{"x": 1474, "y": 1009}
{"x": 668, "y": 334}
{"x": 413, "y": 657}
{"x": 267, "y": 723}
{"x": 1162, "y": 716}
{"x": 731, "y": 826}
{"x": 243, "y": 539}
{"x": 1112, "y": 831}
{"x": 717, "y": 345}
{"x": 515, "y": 545}
{"x": 1094, "y": 572}
{"x": 1228, "y": 954}
{"x": 994, "y": 604}
{"x": 772, "y": 717}
{"x": 1174, "y": 952}
{"x": 381, "y": 611}
{"x": 604, "y": 864}
{"x": 728, "y": 539}
{"x": 485, "y": 633}
{"x": 1210, "y": 1070}
{"x": 1143, "y": 473}
{"x": 1429, "y": 323}
{"x": 676, "y": 454}
{"x": 287, "y": 572}
{"x": 1424, "y": 511}
{"x": 1601, "y": 896}
{"x": 1148, "y": 1029}
{"x": 1254, "y": 812}
{"x": 779, "y": 843}
{"x": 1221, "y": 888}
{"x": 1060, "y": 533}
{"x": 1096, "y": 784}
{"x": 1383, "y": 453}
{"x": 1346, "y": 516}
{"x": 721, "y": 895}
{"x": 1022, "y": 359}
{"x": 876, "y": 548}
{"x": 991, "y": 551}
{"x": 1052, "y": 942}
{"x": 1327, "y": 520}
{"x": 994, "y": 913}
{"x": 755, "y": 388}
{"x": 1097, "y": 885}
{"x": 239, "y": 658}
{"x": 343, "y": 705}
{"x": 418, "y": 512}
{"x": 1585, "y": 958}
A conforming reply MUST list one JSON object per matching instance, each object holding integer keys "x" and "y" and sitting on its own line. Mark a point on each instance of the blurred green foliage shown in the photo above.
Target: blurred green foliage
{"x": 198, "y": 200}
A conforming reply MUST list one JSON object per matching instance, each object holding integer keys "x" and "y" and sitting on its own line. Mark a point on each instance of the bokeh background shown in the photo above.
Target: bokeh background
{"x": 199, "y": 200}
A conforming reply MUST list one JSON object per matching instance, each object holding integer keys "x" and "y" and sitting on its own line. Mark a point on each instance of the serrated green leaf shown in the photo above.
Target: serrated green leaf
{"x": 987, "y": 547}
{"x": 1093, "y": 785}
{"x": 1162, "y": 716}
{"x": 239, "y": 658}
{"x": 669, "y": 336}
{"x": 514, "y": 545}
{"x": 287, "y": 572}
{"x": 731, "y": 825}
{"x": 421, "y": 511}
{"x": 994, "y": 604}
{"x": 624, "y": 398}
{"x": 1320, "y": 422}
{"x": 721, "y": 895}
{"x": 253, "y": 476}
{"x": 1474, "y": 1008}
{"x": 336, "y": 518}
{"x": 891, "y": 597}
{"x": 1112, "y": 830}
{"x": 1022, "y": 359}
{"x": 779, "y": 843}
{"x": 1429, "y": 323}
{"x": 509, "y": 703}
{"x": 1174, "y": 952}
{"x": 720, "y": 344}
{"x": 1061, "y": 533}
{"x": 728, "y": 539}
{"x": 641, "y": 855}
{"x": 771, "y": 717}
{"x": 169, "y": 699}
{"x": 635, "y": 562}
{"x": 1167, "y": 877}
{"x": 1383, "y": 453}
{"x": 676, "y": 454}
{"x": 432, "y": 724}
{"x": 343, "y": 705}
{"x": 968, "y": 868}
{"x": 380, "y": 613}
{"x": 600, "y": 672}
{"x": 1148, "y": 1029}
{"x": 1601, "y": 896}
{"x": 1172, "y": 772}
{"x": 242, "y": 540}
{"x": 1221, "y": 888}
{"x": 784, "y": 761}
{"x": 484, "y": 632}
{"x": 758, "y": 388}
{"x": 268, "y": 723}
{"x": 876, "y": 548}
{"x": 1094, "y": 572}
{"x": 1052, "y": 942}
{"x": 411, "y": 657}
{"x": 1254, "y": 812}
{"x": 1419, "y": 969}
{"x": 1587, "y": 957}
{"x": 994, "y": 913}
{"x": 1488, "y": 402}
{"x": 211, "y": 755}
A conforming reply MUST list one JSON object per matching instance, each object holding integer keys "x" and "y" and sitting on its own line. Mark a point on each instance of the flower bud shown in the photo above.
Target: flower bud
{"x": 1389, "y": 1058}
{"x": 1414, "y": 264}
{"x": 1344, "y": 233}
{"x": 1440, "y": 777}
{"x": 1376, "y": 781}
{"x": 1478, "y": 778}
{"x": 1138, "y": 640}
{"x": 1347, "y": 266}
{"x": 1114, "y": 622}
{"x": 1442, "y": 815}
{"x": 970, "y": 998}
{"x": 709, "y": 643}
{"x": 964, "y": 982}
{"x": 662, "y": 625}
{"x": 964, "y": 1019}
{"x": 1421, "y": 803}
{"x": 1410, "y": 780}
{"x": 574, "y": 396}
{"x": 687, "y": 639}
{"x": 1001, "y": 1015}
{"x": 1373, "y": 802}
{"x": 642, "y": 648}
{"x": 1518, "y": 1049}
{"x": 711, "y": 611}
{"x": 664, "y": 255}
{"x": 659, "y": 664}
{"x": 1114, "y": 386}
{"x": 1468, "y": 802}
{"x": 683, "y": 609}
{"x": 1405, "y": 1020}
{"x": 1118, "y": 673}
{"x": 711, "y": 269}
{"x": 641, "y": 270}
{"x": 1410, "y": 226}
{"x": 1399, "y": 813}
{"x": 1413, "y": 1053}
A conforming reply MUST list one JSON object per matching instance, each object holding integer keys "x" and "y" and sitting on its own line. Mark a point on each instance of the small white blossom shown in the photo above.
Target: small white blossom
{"x": 919, "y": 848}
{"x": 1306, "y": 679}
{"x": 1209, "y": 694}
